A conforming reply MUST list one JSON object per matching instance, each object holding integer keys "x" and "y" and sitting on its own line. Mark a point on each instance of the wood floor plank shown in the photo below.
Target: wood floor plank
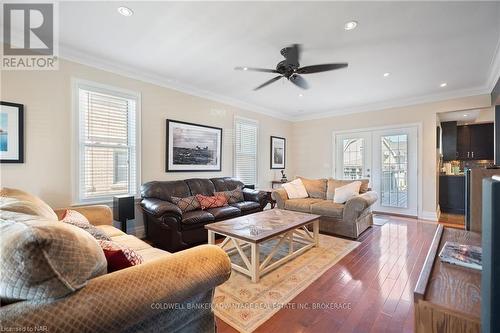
{"x": 376, "y": 280}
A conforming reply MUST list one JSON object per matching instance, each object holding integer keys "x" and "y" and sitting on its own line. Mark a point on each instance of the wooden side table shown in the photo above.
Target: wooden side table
{"x": 269, "y": 198}
{"x": 448, "y": 297}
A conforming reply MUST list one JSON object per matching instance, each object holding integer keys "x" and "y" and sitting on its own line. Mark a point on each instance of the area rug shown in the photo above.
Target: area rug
{"x": 245, "y": 305}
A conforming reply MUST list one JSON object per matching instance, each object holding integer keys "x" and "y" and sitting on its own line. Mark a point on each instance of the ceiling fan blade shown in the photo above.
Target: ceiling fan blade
{"x": 265, "y": 70}
{"x": 299, "y": 81}
{"x": 320, "y": 68}
{"x": 293, "y": 54}
{"x": 269, "y": 82}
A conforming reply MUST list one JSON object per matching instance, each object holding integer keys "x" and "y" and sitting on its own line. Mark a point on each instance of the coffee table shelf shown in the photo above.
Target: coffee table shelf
{"x": 287, "y": 227}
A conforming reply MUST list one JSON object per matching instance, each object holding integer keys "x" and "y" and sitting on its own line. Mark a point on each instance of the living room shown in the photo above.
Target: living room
{"x": 168, "y": 126}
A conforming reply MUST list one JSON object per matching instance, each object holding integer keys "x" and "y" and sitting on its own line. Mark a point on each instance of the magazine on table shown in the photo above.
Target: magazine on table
{"x": 462, "y": 255}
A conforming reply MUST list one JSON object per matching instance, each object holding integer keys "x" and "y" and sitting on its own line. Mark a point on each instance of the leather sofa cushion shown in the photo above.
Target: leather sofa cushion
{"x": 246, "y": 206}
{"x": 197, "y": 216}
{"x": 328, "y": 208}
{"x": 201, "y": 186}
{"x": 225, "y": 212}
{"x": 301, "y": 205}
{"x": 334, "y": 183}
{"x": 164, "y": 190}
{"x": 316, "y": 188}
{"x": 226, "y": 184}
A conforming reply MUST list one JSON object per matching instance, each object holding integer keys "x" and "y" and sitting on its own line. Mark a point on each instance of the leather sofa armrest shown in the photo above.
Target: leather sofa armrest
{"x": 355, "y": 206}
{"x": 159, "y": 208}
{"x": 256, "y": 196}
{"x": 280, "y": 196}
{"x": 96, "y": 214}
{"x": 128, "y": 296}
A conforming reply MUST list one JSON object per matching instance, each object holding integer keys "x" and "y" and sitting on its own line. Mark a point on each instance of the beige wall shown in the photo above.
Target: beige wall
{"x": 312, "y": 151}
{"x": 47, "y": 170}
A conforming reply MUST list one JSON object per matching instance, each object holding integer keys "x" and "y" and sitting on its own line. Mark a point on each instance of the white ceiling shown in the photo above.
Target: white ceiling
{"x": 194, "y": 47}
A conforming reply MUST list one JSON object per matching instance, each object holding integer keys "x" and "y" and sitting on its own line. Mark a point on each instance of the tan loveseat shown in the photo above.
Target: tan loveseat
{"x": 349, "y": 219}
{"x": 166, "y": 293}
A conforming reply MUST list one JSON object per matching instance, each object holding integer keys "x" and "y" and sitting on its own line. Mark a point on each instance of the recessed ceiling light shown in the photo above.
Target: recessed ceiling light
{"x": 466, "y": 115}
{"x": 245, "y": 68}
{"x": 444, "y": 84}
{"x": 125, "y": 11}
{"x": 300, "y": 95}
{"x": 350, "y": 25}
{"x": 387, "y": 74}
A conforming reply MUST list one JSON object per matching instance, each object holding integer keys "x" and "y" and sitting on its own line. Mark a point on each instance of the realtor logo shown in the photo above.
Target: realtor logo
{"x": 29, "y": 36}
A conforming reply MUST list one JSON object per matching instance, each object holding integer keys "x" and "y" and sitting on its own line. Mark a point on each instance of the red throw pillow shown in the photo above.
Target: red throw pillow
{"x": 218, "y": 200}
{"x": 119, "y": 256}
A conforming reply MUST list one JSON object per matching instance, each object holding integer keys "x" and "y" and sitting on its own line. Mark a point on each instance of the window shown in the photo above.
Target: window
{"x": 107, "y": 142}
{"x": 245, "y": 150}
{"x": 353, "y": 158}
{"x": 394, "y": 189}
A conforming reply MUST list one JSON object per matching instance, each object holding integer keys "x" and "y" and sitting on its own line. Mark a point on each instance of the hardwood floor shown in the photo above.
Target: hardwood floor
{"x": 374, "y": 282}
{"x": 452, "y": 220}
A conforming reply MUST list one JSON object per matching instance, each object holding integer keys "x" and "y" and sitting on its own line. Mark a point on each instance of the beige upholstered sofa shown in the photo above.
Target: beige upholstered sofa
{"x": 349, "y": 219}
{"x": 166, "y": 293}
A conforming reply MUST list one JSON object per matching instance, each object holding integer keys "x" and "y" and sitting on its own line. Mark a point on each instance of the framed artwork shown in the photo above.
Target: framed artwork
{"x": 278, "y": 152}
{"x": 193, "y": 147}
{"x": 11, "y": 133}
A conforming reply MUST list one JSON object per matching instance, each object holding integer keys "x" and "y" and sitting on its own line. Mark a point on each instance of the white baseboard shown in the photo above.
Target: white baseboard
{"x": 429, "y": 215}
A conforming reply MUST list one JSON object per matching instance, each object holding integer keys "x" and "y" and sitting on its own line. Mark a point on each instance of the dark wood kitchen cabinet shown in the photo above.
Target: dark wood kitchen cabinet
{"x": 449, "y": 140}
{"x": 467, "y": 142}
{"x": 482, "y": 141}
{"x": 452, "y": 194}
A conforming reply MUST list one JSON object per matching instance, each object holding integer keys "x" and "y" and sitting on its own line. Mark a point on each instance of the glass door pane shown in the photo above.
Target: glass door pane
{"x": 352, "y": 166}
{"x": 394, "y": 177}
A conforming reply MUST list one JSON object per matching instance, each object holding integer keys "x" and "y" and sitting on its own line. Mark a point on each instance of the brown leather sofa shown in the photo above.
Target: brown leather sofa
{"x": 170, "y": 229}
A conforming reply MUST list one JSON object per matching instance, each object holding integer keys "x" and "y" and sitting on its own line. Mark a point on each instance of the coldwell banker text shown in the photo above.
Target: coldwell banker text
{"x": 29, "y": 36}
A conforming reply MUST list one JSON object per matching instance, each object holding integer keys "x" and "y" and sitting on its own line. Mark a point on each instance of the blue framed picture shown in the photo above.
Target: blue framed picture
{"x": 11, "y": 132}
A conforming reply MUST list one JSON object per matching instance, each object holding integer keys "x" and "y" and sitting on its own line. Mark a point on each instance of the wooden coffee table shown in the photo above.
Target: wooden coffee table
{"x": 252, "y": 230}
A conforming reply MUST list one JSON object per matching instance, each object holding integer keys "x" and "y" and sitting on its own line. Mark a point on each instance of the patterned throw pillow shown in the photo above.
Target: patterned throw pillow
{"x": 218, "y": 200}
{"x": 79, "y": 220}
{"x": 233, "y": 196}
{"x": 119, "y": 256}
{"x": 186, "y": 204}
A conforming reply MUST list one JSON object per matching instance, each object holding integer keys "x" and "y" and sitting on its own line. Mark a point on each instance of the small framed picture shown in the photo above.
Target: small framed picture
{"x": 193, "y": 147}
{"x": 11, "y": 133}
{"x": 278, "y": 152}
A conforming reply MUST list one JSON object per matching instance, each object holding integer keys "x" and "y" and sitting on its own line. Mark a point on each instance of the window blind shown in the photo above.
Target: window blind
{"x": 245, "y": 156}
{"x": 107, "y": 144}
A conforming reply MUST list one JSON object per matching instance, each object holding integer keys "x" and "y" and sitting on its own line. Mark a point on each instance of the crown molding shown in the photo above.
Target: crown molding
{"x": 494, "y": 68}
{"x": 73, "y": 55}
{"x": 379, "y": 106}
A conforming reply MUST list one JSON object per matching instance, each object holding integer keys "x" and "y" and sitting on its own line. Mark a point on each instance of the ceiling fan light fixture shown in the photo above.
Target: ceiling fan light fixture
{"x": 125, "y": 11}
{"x": 350, "y": 25}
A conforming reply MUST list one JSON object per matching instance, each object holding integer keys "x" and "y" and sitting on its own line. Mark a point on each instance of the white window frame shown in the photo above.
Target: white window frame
{"x": 256, "y": 122}
{"x": 77, "y": 153}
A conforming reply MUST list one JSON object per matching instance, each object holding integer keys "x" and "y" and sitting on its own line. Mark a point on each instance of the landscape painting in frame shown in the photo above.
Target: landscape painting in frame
{"x": 11, "y": 133}
{"x": 278, "y": 152}
{"x": 193, "y": 147}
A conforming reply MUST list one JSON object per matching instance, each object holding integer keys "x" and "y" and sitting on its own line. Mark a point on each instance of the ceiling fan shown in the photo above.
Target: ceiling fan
{"x": 290, "y": 68}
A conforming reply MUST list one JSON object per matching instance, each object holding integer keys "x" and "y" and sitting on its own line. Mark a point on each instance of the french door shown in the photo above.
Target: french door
{"x": 388, "y": 158}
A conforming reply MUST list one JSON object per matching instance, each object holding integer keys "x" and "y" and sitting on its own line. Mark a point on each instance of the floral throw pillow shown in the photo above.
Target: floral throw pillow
{"x": 79, "y": 220}
{"x": 233, "y": 196}
{"x": 119, "y": 256}
{"x": 206, "y": 202}
{"x": 186, "y": 204}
